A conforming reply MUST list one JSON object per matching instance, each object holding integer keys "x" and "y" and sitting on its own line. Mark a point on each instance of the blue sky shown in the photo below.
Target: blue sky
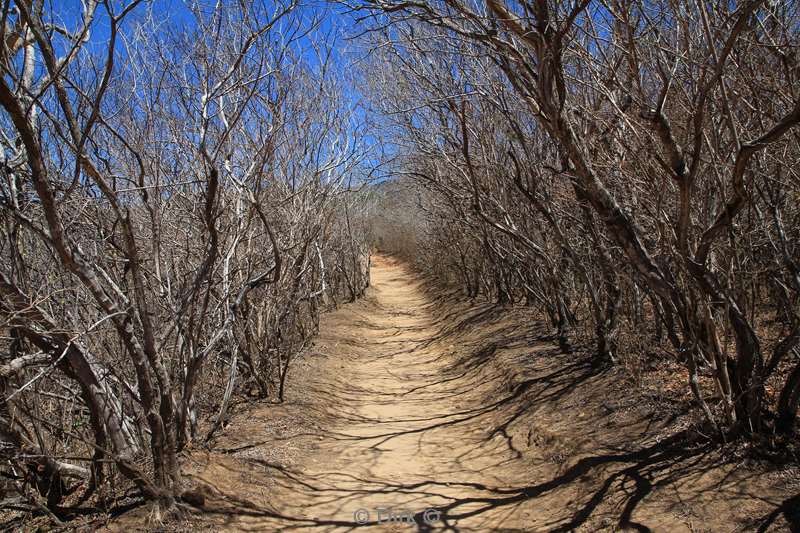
{"x": 329, "y": 20}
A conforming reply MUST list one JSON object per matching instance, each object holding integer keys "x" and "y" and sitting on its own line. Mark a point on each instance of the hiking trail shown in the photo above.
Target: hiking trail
{"x": 415, "y": 414}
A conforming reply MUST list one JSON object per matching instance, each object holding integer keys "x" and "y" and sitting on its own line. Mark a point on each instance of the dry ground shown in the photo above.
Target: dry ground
{"x": 411, "y": 403}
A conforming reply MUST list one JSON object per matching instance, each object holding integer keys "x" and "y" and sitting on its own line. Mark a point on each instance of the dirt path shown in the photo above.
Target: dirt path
{"x": 413, "y": 417}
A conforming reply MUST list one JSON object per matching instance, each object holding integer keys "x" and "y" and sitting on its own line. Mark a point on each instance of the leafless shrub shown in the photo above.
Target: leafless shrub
{"x": 176, "y": 212}
{"x": 629, "y": 167}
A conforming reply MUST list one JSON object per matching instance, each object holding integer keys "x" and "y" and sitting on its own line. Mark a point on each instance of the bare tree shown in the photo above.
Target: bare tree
{"x": 172, "y": 216}
{"x": 669, "y": 122}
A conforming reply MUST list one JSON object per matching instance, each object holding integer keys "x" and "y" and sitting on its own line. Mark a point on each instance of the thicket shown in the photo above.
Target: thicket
{"x": 176, "y": 210}
{"x": 628, "y": 167}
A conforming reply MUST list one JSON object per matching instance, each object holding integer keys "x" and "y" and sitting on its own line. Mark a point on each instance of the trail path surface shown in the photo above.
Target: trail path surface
{"x": 414, "y": 427}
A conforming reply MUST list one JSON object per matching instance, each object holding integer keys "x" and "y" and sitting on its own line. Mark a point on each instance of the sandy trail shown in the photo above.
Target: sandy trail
{"x": 409, "y": 445}
{"x": 415, "y": 428}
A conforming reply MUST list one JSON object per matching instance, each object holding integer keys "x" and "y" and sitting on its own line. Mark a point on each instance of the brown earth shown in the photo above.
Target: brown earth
{"x": 418, "y": 412}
